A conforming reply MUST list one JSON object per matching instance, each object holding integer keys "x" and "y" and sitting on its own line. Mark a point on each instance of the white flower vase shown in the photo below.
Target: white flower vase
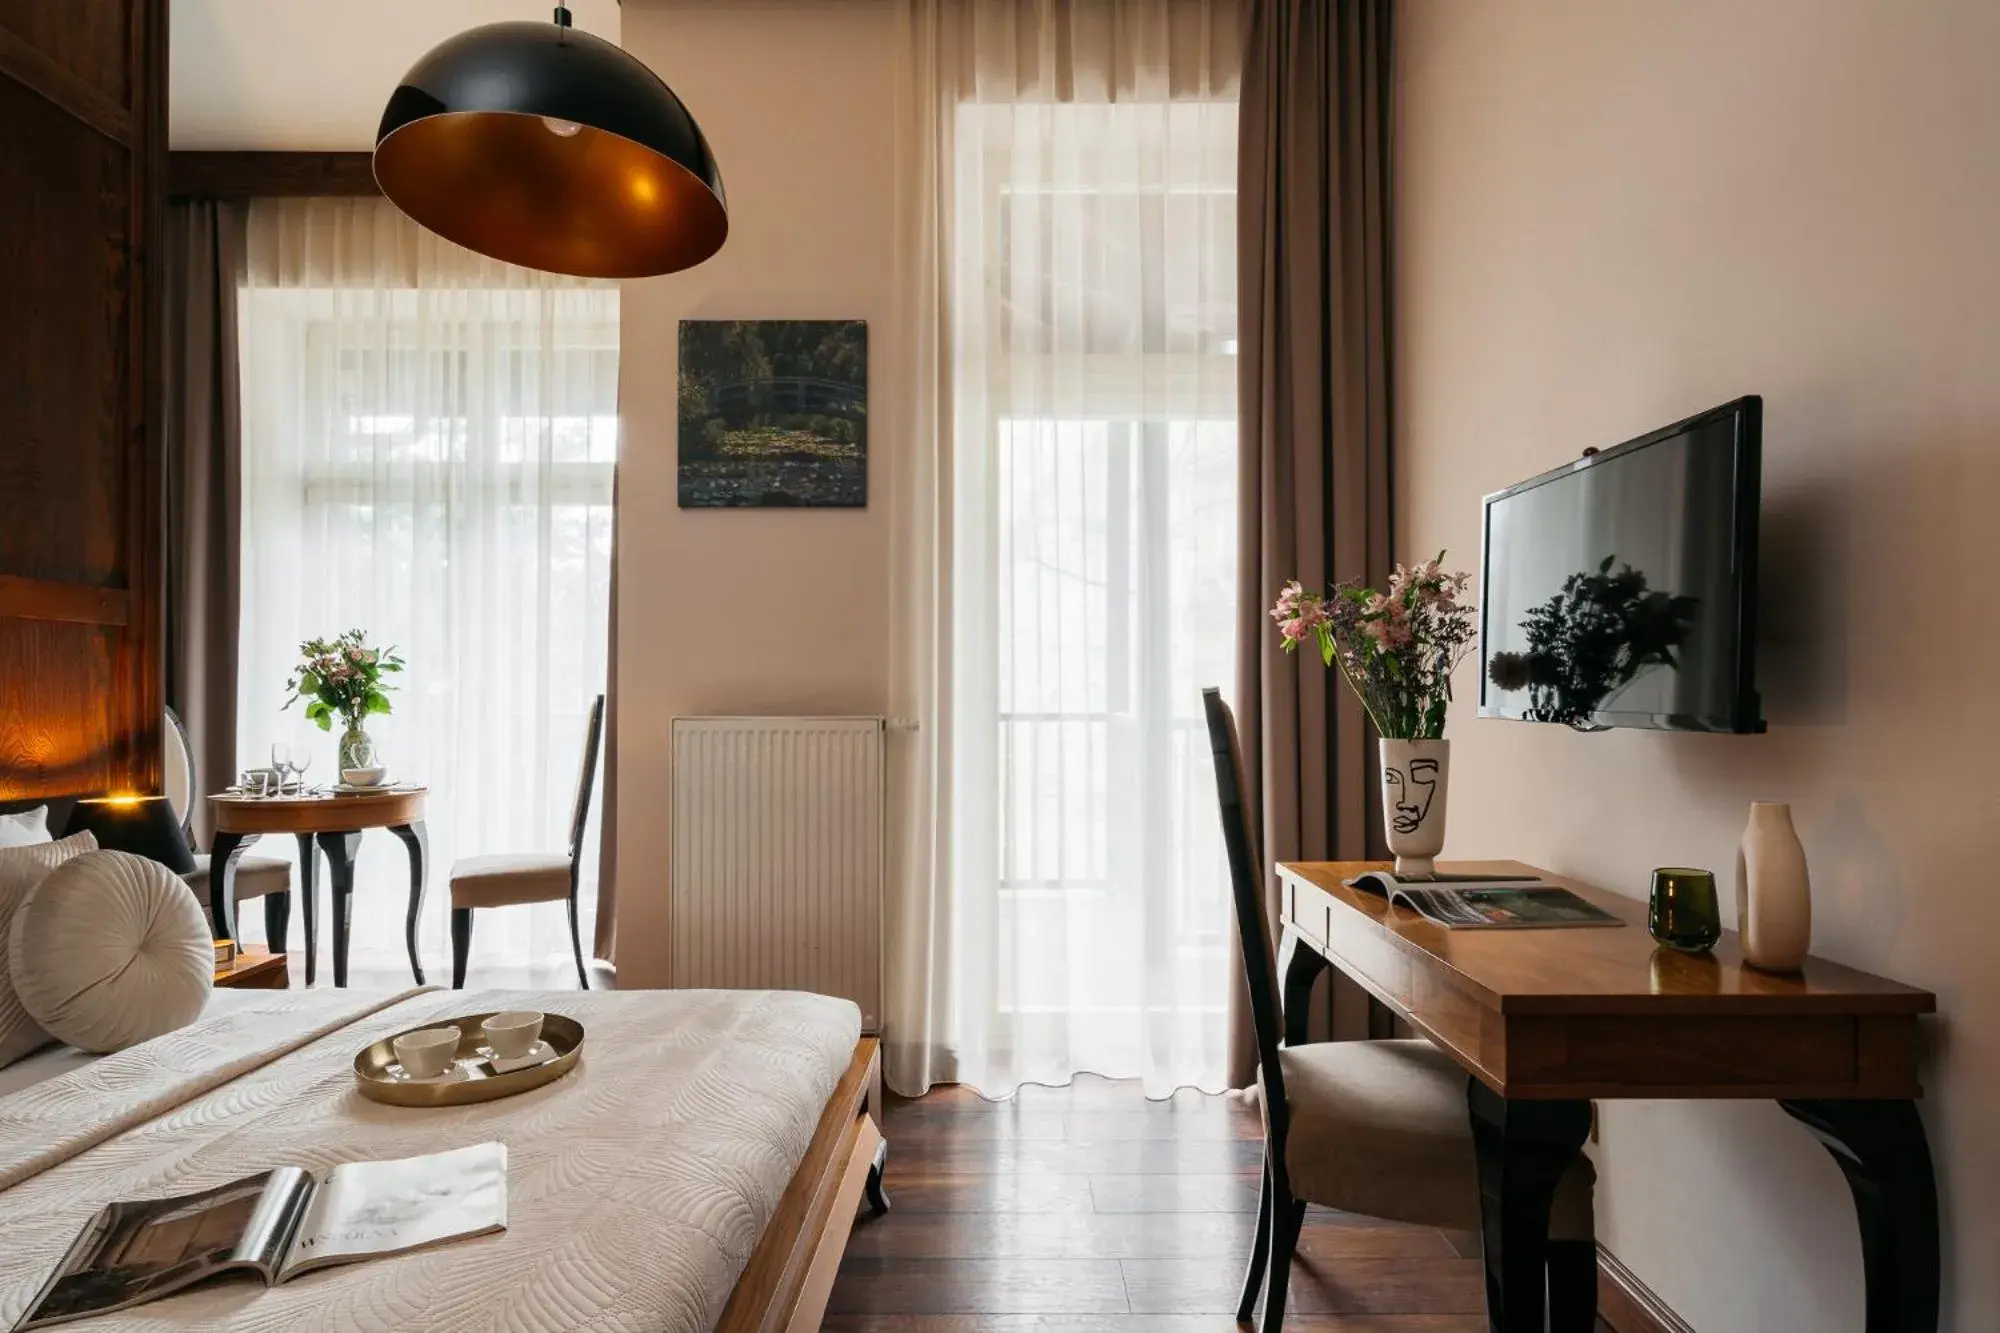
{"x": 1773, "y": 893}
{"x": 1414, "y": 778}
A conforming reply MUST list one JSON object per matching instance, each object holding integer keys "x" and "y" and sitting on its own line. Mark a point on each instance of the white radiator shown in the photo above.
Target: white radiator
{"x": 776, "y": 881}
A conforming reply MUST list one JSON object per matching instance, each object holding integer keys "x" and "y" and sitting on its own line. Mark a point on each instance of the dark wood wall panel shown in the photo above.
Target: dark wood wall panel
{"x": 61, "y": 437}
{"x": 82, "y": 174}
{"x": 88, "y": 39}
{"x": 60, "y": 727}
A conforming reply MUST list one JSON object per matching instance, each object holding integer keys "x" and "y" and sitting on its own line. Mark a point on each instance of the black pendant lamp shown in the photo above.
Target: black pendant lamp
{"x": 553, "y": 149}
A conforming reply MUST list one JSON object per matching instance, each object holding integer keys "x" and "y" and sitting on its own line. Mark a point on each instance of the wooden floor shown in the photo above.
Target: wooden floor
{"x": 1088, "y": 1209}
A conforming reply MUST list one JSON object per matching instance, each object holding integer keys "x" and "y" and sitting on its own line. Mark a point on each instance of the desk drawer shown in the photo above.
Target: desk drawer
{"x": 1681, "y": 1055}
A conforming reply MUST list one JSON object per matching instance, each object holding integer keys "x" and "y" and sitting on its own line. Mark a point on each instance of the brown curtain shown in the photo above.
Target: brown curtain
{"x": 203, "y": 439}
{"x": 605, "y": 944}
{"x": 1314, "y": 499}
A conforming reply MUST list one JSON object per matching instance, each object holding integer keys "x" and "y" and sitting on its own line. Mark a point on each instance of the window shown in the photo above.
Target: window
{"x": 1094, "y": 586}
{"x": 429, "y": 447}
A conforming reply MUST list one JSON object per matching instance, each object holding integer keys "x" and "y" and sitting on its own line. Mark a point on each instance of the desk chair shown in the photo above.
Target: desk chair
{"x": 1379, "y": 1128}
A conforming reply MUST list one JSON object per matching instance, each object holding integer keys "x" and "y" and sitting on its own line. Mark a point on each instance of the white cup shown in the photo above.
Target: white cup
{"x": 428, "y": 1053}
{"x": 514, "y": 1033}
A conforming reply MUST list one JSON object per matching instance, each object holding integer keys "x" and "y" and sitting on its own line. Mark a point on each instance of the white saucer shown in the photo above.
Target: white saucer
{"x": 538, "y": 1054}
{"x": 456, "y": 1074}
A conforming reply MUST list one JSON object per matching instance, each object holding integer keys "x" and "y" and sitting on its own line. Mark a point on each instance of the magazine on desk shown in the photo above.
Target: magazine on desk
{"x": 1501, "y": 903}
{"x": 276, "y": 1225}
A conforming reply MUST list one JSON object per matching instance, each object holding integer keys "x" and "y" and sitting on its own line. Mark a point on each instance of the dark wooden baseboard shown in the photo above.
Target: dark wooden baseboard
{"x": 1627, "y": 1304}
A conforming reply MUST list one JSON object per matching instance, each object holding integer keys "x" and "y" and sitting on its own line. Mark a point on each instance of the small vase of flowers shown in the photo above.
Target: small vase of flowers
{"x": 1397, "y": 651}
{"x": 344, "y": 678}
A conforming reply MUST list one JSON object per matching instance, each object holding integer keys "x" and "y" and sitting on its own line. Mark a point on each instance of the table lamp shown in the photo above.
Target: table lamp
{"x": 143, "y": 825}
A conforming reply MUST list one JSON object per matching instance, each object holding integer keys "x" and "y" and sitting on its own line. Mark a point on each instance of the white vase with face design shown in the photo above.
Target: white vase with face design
{"x": 1414, "y": 774}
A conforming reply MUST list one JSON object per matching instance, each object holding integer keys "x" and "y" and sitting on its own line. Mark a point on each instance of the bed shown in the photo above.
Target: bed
{"x": 699, "y": 1169}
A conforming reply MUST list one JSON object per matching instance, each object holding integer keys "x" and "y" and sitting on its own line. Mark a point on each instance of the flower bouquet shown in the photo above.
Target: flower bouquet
{"x": 1397, "y": 651}
{"x": 344, "y": 677}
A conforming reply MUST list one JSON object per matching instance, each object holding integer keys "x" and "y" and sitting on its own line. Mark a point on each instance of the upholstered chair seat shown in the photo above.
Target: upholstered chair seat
{"x": 1380, "y": 1128}
{"x": 255, "y": 876}
{"x": 509, "y": 879}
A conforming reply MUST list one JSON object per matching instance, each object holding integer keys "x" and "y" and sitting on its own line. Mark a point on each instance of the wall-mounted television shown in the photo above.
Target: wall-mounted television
{"x": 1620, "y": 590}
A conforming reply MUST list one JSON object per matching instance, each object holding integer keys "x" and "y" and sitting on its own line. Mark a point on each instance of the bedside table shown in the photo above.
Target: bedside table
{"x": 255, "y": 970}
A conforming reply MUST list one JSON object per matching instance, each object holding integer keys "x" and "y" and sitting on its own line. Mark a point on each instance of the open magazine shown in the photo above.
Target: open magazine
{"x": 277, "y": 1225}
{"x": 1499, "y": 903}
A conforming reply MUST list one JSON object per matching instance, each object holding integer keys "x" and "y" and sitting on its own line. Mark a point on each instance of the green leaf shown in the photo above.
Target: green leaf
{"x": 325, "y": 721}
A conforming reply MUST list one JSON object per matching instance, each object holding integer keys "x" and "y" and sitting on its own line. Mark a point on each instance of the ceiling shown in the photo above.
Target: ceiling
{"x": 314, "y": 74}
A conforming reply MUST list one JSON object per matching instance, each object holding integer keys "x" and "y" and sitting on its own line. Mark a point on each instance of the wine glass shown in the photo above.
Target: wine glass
{"x": 281, "y": 761}
{"x": 301, "y": 761}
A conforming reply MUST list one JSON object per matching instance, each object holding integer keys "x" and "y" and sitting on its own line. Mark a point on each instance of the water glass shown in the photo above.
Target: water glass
{"x": 1682, "y": 912}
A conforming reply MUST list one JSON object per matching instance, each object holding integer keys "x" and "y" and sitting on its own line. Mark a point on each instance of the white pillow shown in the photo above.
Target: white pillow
{"x": 21, "y": 869}
{"x": 26, "y": 828}
{"x": 111, "y": 950}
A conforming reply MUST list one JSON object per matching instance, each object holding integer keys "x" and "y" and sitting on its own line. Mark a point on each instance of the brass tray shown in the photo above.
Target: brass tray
{"x": 374, "y": 1079}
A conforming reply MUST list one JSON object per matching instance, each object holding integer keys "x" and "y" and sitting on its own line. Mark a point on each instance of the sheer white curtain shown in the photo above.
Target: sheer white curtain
{"x": 1092, "y": 534}
{"x": 429, "y": 440}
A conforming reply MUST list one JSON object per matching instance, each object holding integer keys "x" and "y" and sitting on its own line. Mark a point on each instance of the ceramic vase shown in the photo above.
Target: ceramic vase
{"x": 356, "y": 749}
{"x": 1414, "y": 775}
{"x": 1773, "y": 894}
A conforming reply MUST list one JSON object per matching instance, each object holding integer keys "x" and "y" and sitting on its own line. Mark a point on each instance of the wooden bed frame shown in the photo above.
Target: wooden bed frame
{"x": 784, "y": 1287}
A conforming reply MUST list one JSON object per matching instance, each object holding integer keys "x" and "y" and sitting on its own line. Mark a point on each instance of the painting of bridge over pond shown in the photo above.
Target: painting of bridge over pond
{"x": 774, "y": 414}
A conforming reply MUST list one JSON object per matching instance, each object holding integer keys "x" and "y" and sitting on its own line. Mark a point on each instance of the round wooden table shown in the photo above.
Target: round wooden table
{"x": 335, "y": 822}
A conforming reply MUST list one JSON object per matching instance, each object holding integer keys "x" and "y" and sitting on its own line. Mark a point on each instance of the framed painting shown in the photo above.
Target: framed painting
{"x": 774, "y": 414}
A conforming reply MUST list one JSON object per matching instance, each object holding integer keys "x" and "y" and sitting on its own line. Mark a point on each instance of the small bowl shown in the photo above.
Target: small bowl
{"x": 514, "y": 1033}
{"x": 364, "y": 777}
{"x": 428, "y": 1053}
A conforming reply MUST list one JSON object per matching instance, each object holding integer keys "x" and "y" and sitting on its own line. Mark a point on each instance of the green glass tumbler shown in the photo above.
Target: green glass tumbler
{"x": 1682, "y": 913}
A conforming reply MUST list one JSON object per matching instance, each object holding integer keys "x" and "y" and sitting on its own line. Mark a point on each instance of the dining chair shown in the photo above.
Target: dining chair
{"x": 1379, "y": 1128}
{"x": 512, "y": 878}
{"x": 266, "y": 877}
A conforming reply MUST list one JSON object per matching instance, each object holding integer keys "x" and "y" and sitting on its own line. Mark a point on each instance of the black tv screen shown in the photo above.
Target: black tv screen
{"x": 1620, "y": 590}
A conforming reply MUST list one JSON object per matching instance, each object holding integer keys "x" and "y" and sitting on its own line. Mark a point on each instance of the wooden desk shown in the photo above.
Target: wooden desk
{"x": 1544, "y": 1020}
{"x": 335, "y": 823}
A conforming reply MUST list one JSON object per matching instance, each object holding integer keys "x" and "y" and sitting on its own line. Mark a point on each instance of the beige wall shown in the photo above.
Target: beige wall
{"x": 295, "y": 75}
{"x": 745, "y": 611}
{"x": 1616, "y": 212}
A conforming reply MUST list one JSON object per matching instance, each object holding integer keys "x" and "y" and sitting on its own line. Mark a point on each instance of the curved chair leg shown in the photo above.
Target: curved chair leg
{"x": 1572, "y": 1286}
{"x": 277, "y": 920}
{"x": 461, "y": 945}
{"x": 878, "y": 1198}
{"x": 1260, "y": 1252}
{"x": 1287, "y": 1216}
{"x": 576, "y": 944}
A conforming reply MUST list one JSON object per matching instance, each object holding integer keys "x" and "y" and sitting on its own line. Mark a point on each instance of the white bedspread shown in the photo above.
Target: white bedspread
{"x": 638, "y": 1185}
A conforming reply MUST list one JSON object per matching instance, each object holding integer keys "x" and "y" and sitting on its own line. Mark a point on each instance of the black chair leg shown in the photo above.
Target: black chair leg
{"x": 878, "y": 1197}
{"x": 1287, "y": 1216}
{"x": 1260, "y": 1253}
{"x": 277, "y": 920}
{"x": 1572, "y": 1286}
{"x": 576, "y": 944}
{"x": 461, "y": 945}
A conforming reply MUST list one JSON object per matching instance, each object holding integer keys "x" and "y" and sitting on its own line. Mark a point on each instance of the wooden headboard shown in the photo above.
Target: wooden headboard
{"x": 82, "y": 174}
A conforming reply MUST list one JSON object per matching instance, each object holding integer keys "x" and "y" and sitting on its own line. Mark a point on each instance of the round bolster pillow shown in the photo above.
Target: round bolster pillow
{"x": 110, "y": 950}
